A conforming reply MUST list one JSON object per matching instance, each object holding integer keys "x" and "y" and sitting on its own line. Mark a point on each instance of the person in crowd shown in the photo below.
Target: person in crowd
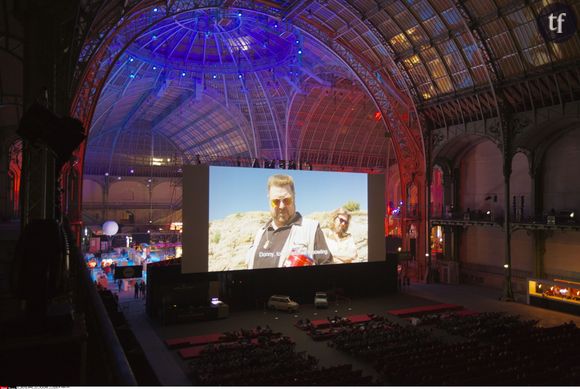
{"x": 136, "y": 294}
{"x": 143, "y": 289}
{"x": 339, "y": 240}
{"x": 119, "y": 285}
{"x": 287, "y": 239}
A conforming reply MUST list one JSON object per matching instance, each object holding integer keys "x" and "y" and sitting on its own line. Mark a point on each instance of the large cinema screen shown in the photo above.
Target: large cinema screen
{"x": 273, "y": 218}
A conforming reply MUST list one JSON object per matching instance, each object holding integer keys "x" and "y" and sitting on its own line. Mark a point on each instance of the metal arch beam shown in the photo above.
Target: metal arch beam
{"x": 477, "y": 36}
{"x": 191, "y": 123}
{"x": 392, "y": 55}
{"x": 128, "y": 117}
{"x": 208, "y": 140}
{"x": 342, "y": 121}
{"x": 174, "y": 106}
{"x": 294, "y": 9}
{"x": 413, "y": 134}
{"x": 436, "y": 47}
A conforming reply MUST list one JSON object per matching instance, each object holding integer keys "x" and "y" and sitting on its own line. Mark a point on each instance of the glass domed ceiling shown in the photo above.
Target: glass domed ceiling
{"x": 223, "y": 83}
{"x": 220, "y": 41}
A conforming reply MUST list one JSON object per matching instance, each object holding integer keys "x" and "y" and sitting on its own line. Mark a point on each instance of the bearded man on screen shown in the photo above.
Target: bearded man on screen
{"x": 287, "y": 239}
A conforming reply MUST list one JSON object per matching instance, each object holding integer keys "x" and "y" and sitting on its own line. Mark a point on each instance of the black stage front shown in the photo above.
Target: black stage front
{"x": 251, "y": 288}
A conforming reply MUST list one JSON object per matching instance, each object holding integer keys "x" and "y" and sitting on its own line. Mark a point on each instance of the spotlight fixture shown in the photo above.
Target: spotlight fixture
{"x": 571, "y": 215}
{"x": 399, "y": 249}
{"x": 506, "y": 266}
{"x": 488, "y": 212}
{"x": 107, "y": 174}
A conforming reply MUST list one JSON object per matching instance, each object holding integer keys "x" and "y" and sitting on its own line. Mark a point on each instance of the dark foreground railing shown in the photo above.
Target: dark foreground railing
{"x": 107, "y": 363}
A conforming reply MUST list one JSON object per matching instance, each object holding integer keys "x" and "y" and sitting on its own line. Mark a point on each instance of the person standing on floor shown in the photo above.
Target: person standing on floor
{"x": 136, "y": 294}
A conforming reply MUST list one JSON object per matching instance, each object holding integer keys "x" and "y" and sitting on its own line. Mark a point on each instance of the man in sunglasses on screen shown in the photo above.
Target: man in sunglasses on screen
{"x": 288, "y": 239}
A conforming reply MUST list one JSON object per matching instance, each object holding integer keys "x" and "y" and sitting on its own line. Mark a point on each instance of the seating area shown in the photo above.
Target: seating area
{"x": 424, "y": 310}
{"x": 482, "y": 349}
{"x": 258, "y": 357}
{"x": 324, "y": 329}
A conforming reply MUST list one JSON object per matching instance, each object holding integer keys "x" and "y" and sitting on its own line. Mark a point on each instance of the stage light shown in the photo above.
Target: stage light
{"x": 183, "y": 74}
{"x": 426, "y": 254}
{"x": 154, "y": 67}
{"x": 214, "y": 76}
{"x": 155, "y": 9}
{"x": 571, "y": 215}
{"x": 539, "y": 286}
{"x": 299, "y": 51}
{"x": 106, "y": 174}
{"x": 506, "y": 266}
{"x": 148, "y": 231}
{"x": 131, "y": 75}
{"x": 239, "y": 14}
{"x": 119, "y": 178}
{"x": 149, "y": 180}
{"x": 150, "y": 221}
{"x": 399, "y": 249}
{"x": 488, "y": 212}
{"x": 132, "y": 171}
{"x": 131, "y": 59}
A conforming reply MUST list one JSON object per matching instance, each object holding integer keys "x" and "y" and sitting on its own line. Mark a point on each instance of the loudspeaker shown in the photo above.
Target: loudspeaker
{"x": 62, "y": 135}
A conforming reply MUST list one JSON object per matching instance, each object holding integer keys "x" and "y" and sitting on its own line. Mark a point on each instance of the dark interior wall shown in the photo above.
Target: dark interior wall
{"x": 562, "y": 193}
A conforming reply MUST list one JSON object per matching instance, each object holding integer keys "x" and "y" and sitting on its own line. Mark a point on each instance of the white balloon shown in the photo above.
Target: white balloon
{"x": 110, "y": 228}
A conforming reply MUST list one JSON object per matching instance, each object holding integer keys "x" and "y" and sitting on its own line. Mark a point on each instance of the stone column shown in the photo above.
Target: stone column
{"x": 506, "y": 124}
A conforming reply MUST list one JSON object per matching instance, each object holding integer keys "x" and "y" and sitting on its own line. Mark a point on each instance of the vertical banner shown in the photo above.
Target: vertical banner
{"x": 95, "y": 245}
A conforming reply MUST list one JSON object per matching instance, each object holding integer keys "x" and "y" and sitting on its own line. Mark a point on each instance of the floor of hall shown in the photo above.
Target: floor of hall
{"x": 171, "y": 370}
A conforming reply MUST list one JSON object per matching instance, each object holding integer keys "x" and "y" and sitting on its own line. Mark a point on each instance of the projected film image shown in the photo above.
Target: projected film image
{"x": 267, "y": 218}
